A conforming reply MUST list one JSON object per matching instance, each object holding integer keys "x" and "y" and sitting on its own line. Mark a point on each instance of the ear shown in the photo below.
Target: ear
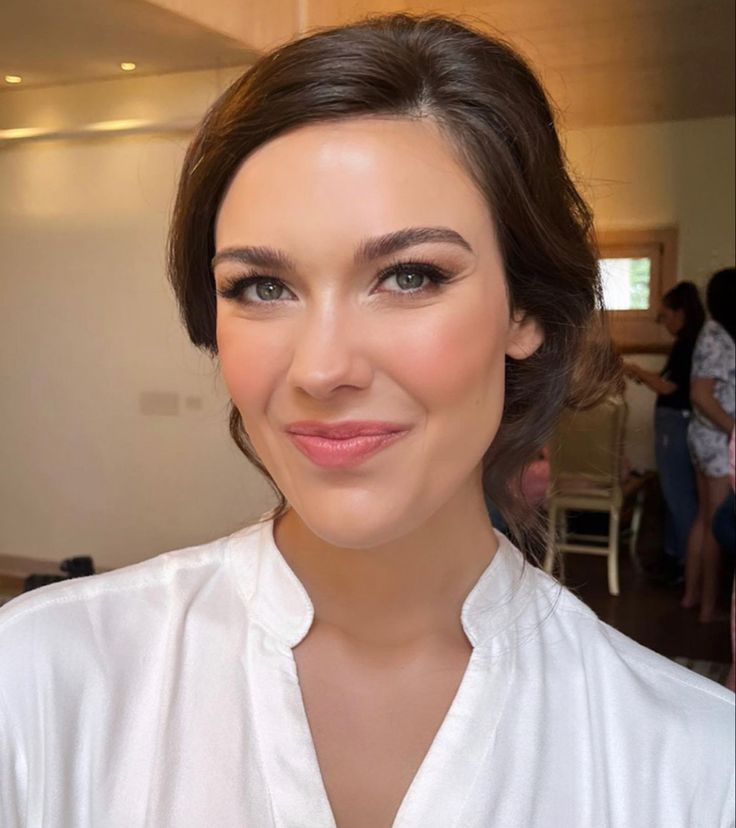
{"x": 524, "y": 336}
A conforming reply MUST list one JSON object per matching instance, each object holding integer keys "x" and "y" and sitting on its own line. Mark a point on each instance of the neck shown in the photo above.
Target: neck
{"x": 402, "y": 591}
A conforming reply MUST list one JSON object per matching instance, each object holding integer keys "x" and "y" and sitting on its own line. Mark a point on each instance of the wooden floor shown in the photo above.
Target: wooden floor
{"x": 9, "y": 587}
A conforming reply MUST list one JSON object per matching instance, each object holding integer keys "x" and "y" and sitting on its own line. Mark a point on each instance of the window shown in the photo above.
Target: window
{"x": 627, "y": 283}
{"x": 637, "y": 269}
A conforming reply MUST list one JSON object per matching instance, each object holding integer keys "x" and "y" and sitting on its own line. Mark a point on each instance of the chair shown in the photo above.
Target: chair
{"x": 586, "y": 464}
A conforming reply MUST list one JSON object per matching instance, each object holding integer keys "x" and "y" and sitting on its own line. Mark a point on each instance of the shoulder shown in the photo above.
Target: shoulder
{"x": 599, "y": 640}
{"x": 595, "y": 699}
{"x": 146, "y": 591}
{"x": 629, "y": 701}
{"x": 643, "y": 691}
{"x": 713, "y": 336}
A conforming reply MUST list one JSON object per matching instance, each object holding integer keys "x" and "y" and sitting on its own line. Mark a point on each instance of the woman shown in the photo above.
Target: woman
{"x": 376, "y": 235}
{"x": 682, "y": 314}
{"x": 713, "y": 392}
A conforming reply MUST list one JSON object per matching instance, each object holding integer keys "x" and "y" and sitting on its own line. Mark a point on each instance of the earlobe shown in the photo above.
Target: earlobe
{"x": 524, "y": 337}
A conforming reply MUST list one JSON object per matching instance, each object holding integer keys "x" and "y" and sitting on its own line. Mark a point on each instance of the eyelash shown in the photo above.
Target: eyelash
{"x": 234, "y": 289}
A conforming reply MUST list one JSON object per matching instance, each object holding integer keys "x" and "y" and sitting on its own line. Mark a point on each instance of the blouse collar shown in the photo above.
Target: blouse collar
{"x": 279, "y": 602}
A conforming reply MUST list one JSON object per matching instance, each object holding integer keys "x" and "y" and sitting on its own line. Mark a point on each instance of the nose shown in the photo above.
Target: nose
{"x": 329, "y": 353}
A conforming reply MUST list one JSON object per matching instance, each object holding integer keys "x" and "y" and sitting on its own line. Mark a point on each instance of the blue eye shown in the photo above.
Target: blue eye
{"x": 412, "y": 277}
{"x": 266, "y": 289}
{"x": 408, "y": 280}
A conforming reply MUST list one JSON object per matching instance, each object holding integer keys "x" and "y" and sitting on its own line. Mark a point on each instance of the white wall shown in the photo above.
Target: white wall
{"x": 652, "y": 175}
{"x": 90, "y": 331}
{"x": 680, "y": 172}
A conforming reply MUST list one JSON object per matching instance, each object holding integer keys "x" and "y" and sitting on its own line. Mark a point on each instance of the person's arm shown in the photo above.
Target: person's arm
{"x": 654, "y": 381}
{"x": 701, "y": 396}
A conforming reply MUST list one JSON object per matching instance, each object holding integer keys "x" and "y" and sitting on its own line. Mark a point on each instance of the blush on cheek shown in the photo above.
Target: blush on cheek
{"x": 446, "y": 365}
{"x": 247, "y": 370}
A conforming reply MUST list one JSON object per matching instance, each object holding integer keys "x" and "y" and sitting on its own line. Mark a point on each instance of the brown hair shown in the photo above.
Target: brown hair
{"x": 685, "y": 296}
{"x": 495, "y": 113}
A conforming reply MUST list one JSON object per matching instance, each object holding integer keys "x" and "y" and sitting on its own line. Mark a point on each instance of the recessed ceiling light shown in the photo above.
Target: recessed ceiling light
{"x": 13, "y": 79}
{"x": 127, "y": 66}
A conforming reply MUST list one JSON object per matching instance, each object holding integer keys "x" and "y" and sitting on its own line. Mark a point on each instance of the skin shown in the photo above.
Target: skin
{"x": 702, "y": 567}
{"x": 387, "y": 550}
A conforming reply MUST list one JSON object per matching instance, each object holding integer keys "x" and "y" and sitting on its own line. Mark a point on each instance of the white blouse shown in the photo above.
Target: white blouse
{"x": 166, "y": 694}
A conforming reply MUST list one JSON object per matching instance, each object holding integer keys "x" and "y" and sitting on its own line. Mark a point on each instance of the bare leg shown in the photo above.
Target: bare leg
{"x": 731, "y": 680}
{"x": 694, "y": 560}
{"x": 718, "y": 488}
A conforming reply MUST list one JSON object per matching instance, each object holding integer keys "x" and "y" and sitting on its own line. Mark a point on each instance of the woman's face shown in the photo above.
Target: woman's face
{"x": 673, "y": 320}
{"x": 360, "y": 283}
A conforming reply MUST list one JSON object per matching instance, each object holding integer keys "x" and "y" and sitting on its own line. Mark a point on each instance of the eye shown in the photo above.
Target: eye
{"x": 413, "y": 277}
{"x": 253, "y": 290}
{"x": 268, "y": 290}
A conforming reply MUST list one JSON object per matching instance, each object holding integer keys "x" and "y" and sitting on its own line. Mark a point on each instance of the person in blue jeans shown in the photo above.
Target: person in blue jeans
{"x": 683, "y": 315}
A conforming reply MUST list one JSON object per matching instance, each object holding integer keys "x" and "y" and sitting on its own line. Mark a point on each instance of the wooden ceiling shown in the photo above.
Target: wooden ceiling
{"x": 603, "y": 61}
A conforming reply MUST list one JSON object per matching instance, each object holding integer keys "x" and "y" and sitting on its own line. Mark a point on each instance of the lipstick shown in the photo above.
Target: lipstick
{"x": 345, "y": 444}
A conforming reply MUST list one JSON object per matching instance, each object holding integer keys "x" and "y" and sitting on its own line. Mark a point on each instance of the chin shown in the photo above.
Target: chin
{"x": 360, "y": 522}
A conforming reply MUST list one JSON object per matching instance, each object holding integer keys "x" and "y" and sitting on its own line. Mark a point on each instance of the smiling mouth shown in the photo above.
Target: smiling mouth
{"x": 343, "y": 452}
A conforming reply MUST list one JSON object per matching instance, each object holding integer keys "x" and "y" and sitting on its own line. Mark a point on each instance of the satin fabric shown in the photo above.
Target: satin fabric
{"x": 166, "y": 694}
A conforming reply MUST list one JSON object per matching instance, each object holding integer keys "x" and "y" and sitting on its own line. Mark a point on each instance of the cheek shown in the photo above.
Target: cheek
{"x": 454, "y": 362}
{"x": 248, "y": 362}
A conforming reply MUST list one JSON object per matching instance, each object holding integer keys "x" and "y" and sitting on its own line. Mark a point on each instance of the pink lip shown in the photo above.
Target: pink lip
{"x": 341, "y": 445}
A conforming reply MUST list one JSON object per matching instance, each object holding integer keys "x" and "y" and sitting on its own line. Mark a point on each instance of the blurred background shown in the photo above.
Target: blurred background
{"x": 114, "y": 440}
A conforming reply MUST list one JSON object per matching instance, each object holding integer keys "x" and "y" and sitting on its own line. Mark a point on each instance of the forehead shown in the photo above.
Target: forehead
{"x": 356, "y": 177}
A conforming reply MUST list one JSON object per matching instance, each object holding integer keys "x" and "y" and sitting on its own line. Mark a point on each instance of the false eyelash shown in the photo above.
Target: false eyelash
{"x": 235, "y": 287}
{"x": 434, "y": 274}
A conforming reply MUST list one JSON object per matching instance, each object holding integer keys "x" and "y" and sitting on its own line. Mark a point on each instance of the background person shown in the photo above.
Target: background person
{"x": 713, "y": 394}
{"x": 682, "y": 314}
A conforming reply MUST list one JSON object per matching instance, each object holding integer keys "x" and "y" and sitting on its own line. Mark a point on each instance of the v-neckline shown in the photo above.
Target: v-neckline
{"x": 289, "y": 756}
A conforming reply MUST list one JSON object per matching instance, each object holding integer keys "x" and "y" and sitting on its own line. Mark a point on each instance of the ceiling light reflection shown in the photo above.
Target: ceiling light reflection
{"x": 22, "y": 132}
{"x": 121, "y": 125}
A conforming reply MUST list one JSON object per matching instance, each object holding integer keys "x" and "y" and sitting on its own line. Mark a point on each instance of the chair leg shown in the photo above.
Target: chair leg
{"x": 613, "y": 586}
{"x": 563, "y": 529}
{"x": 634, "y": 529}
{"x": 561, "y": 555}
{"x": 549, "y": 557}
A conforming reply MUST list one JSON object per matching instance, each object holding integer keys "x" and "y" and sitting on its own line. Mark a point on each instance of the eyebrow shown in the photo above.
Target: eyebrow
{"x": 390, "y": 243}
{"x": 266, "y": 257}
{"x": 368, "y": 250}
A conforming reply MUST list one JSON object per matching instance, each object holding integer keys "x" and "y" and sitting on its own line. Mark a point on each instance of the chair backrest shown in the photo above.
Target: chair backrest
{"x": 588, "y": 445}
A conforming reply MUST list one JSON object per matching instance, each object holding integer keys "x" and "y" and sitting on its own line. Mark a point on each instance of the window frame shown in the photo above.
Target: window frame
{"x": 637, "y": 331}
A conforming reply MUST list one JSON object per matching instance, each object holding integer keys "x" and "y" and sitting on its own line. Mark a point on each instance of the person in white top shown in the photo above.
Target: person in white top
{"x": 376, "y": 236}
